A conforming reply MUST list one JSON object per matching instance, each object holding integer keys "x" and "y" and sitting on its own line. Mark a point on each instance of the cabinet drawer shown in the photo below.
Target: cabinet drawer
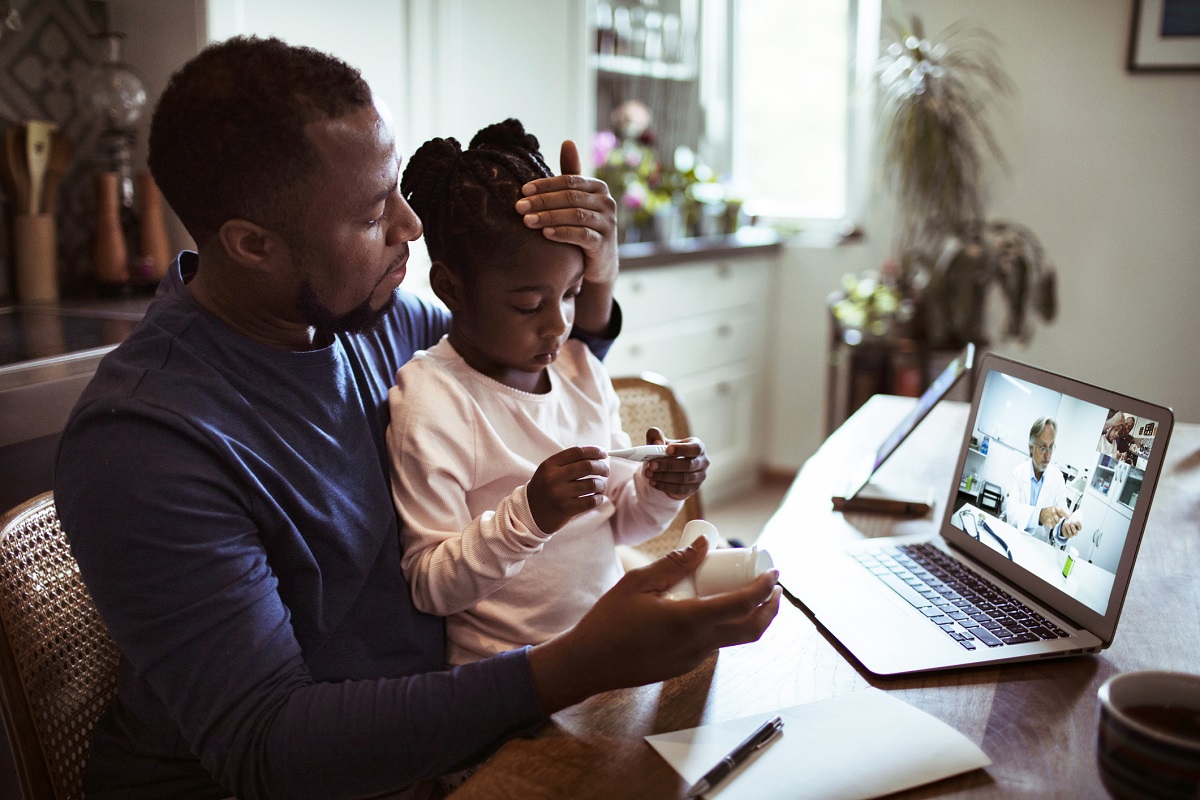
{"x": 722, "y": 409}
{"x": 689, "y": 346}
{"x": 652, "y": 296}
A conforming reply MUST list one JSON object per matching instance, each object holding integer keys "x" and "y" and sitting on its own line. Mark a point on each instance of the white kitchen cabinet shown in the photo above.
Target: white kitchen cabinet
{"x": 1105, "y": 523}
{"x": 476, "y": 62}
{"x": 444, "y": 67}
{"x": 703, "y": 326}
{"x": 724, "y": 408}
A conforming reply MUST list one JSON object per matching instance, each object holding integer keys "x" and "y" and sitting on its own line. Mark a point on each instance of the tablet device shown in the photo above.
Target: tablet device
{"x": 857, "y": 496}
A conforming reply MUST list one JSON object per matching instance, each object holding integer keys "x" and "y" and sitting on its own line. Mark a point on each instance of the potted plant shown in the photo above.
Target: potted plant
{"x": 936, "y": 144}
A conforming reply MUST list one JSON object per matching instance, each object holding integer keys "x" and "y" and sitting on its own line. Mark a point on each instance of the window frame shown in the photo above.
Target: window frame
{"x": 863, "y": 36}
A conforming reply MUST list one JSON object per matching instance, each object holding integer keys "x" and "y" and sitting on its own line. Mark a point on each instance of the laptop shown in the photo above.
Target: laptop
{"x": 862, "y": 495}
{"x": 993, "y": 585}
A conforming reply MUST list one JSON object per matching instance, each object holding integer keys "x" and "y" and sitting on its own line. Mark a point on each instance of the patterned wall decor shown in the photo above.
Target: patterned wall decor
{"x": 44, "y": 69}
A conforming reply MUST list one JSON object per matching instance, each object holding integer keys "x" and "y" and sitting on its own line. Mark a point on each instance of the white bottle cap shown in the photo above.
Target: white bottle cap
{"x": 699, "y": 528}
{"x": 723, "y": 569}
{"x": 731, "y": 568}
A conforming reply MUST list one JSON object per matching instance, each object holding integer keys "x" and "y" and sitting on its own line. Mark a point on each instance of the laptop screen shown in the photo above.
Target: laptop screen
{"x": 1055, "y": 476}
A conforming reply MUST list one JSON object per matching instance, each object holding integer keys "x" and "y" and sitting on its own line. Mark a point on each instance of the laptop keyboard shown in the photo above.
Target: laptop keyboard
{"x": 969, "y": 608}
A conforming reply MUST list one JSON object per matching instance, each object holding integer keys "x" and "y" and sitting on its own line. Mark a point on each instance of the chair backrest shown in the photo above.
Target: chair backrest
{"x": 58, "y": 665}
{"x": 647, "y": 400}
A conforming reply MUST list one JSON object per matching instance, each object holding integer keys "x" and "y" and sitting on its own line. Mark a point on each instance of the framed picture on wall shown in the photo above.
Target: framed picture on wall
{"x": 1164, "y": 36}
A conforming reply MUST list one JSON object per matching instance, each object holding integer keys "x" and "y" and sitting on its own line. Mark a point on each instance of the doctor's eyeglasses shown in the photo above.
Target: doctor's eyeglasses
{"x": 1044, "y": 448}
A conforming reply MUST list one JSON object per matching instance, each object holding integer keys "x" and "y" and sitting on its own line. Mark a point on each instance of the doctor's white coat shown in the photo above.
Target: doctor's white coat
{"x": 1021, "y": 513}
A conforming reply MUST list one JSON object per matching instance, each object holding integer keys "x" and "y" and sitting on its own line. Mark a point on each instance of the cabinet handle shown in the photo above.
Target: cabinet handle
{"x": 637, "y": 287}
{"x": 724, "y": 388}
{"x": 724, "y": 330}
{"x": 723, "y": 269}
{"x": 635, "y": 350}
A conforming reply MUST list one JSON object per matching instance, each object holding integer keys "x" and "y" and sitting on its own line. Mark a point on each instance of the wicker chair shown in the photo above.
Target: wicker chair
{"x": 647, "y": 400}
{"x": 58, "y": 665}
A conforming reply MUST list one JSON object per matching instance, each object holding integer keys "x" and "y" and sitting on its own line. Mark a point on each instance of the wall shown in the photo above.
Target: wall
{"x": 1104, "y": 166}
{"x": 1007, "y": 412}
{"x": 44, "y": 70}
{"x": 475, "y": 62}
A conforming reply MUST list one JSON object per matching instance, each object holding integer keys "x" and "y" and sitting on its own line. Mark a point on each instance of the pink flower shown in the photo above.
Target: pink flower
{"x": 635, "y": 195}
{"x": 633, "y": 156}
{"x": 631, "y": 119}
{"x": 603, "y": 144}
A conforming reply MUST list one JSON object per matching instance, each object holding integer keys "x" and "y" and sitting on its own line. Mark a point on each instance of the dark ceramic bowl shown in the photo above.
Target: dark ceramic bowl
{"x": 1148, "y": 745}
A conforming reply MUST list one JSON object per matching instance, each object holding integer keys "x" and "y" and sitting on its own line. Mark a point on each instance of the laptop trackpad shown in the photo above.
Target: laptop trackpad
{"x": 884, "y": 632}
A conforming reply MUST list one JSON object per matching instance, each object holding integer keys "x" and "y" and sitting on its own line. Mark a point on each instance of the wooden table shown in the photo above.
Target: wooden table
{"x": 1037, "y": 722}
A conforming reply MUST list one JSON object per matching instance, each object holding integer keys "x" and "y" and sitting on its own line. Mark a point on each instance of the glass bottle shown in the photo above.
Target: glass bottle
{"x": 110, "y": 253}
{"x": 117, "y": 97}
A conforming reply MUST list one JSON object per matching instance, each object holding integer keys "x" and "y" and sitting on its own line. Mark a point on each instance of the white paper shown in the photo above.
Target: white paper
{"x": 856, "y": 746}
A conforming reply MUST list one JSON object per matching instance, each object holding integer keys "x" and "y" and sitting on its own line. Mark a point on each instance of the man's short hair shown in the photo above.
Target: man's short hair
{"x": 1039, "y": 425}
{"x": 228, "y": 135}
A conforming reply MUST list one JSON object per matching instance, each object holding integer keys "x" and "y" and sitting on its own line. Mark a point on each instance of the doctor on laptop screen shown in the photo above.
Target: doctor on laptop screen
{"x": 1036, "y": 500}
{"x": 1051, "y": 482}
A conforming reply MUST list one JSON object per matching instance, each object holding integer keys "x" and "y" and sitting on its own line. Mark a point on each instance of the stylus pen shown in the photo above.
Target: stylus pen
{"x": 759, "y": 739}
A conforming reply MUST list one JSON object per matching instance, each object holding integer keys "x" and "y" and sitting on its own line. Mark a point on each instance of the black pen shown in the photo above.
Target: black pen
{"x": 760, "y": 738}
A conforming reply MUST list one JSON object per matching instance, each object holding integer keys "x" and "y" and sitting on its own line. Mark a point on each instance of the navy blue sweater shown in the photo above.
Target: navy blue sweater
{"x": 229, "y": 507}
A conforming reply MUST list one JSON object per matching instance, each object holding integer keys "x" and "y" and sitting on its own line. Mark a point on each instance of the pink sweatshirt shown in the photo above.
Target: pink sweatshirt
{"x": 463, "y": 447}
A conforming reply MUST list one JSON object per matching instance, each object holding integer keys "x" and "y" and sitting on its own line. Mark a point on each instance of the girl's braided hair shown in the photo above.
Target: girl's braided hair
{"x": 465, "y": 198}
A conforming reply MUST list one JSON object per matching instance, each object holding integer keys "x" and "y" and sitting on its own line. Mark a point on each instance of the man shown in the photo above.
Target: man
{"x": 1037, "y": 495}
{"x": 1115, "y": 437}
{"x": 222, "y": 480}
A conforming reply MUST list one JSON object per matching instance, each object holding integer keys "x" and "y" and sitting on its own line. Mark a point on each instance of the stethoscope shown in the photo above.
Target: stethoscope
{"x": 964, "y": 516}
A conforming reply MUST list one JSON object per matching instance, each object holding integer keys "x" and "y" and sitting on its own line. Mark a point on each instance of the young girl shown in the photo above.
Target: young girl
{"x": 511, "y": 510}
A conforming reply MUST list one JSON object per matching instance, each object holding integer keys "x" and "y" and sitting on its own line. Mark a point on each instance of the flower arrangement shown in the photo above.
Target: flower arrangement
{"x": 655, "y": 201}
{"x": 632, "y": 172}
{"x": 871, "y": 303}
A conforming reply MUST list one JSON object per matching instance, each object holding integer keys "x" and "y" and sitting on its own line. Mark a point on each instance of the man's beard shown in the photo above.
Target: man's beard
{"x": 359, "y": 319}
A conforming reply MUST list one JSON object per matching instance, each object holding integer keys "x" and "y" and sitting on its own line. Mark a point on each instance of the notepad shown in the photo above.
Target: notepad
{"x": 859, "y": 745}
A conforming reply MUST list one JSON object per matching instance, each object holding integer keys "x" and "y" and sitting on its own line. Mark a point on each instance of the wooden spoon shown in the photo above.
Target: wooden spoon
{"x": 37, "y": 148}
{"x": 7, "y": 180}
{"x": 14, "y": 159}
{"x": 61, "y": 152}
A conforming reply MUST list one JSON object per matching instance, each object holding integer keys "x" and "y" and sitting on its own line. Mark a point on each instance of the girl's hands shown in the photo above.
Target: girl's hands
{"x": 565, "y": 485}
{"x": 680, "y": 474}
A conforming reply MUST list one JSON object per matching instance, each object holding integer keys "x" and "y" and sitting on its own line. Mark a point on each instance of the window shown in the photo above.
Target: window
{"x": 797, "y": 141}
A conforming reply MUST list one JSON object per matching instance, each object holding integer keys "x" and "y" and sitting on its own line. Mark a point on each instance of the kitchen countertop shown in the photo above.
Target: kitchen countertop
{"x": 48, "y": 354}
{"x": 746, "y": 242}
{"x": 44, "y": 341}
{"x": 40, "y": 342}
